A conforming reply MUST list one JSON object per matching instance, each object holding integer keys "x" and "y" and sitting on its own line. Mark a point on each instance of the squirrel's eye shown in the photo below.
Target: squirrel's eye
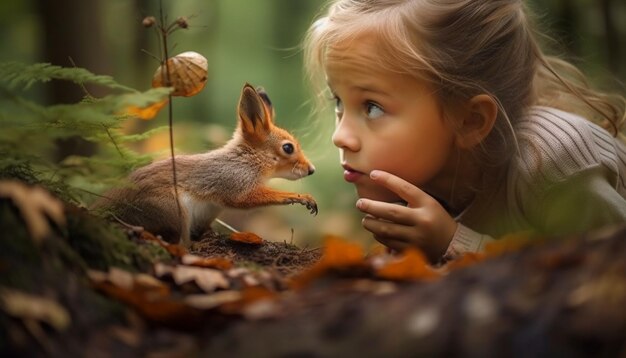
{"x": 288, "y": 148}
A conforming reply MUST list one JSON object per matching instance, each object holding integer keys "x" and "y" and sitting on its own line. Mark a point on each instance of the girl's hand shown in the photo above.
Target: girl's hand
{"x": 423, "y": 223}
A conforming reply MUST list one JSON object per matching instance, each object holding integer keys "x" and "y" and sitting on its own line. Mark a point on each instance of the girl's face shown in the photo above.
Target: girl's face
{"x": 390, "y": 122}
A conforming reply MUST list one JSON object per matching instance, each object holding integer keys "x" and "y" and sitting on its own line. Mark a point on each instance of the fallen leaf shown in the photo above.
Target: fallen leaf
{"x": 246, "y": 238}
{"x": 26, "y": 306}
{"x": 139, "y": 284}
{"x": 210, "y": 262}
{"x": 149, "y": 284}
{"x": 207, "y": 279}
{"x": 255, "y": 302}
{"x": 35, "y": 205}
{"x": 174, "y": 249}
{"x": 410, "y": 265}
{"x": 466, "y": 259}
{"x": 121, "y": 278}
{"x": 338, "y": 254}
{"x": 209, "y": 301}
{"x": 145, "y": 113}
{"x": 511, "y": 242}
{"x": 161, "y": 309}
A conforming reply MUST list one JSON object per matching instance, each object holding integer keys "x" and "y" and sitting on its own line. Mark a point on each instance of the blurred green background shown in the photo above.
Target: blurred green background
{"x": 256, "y": 42}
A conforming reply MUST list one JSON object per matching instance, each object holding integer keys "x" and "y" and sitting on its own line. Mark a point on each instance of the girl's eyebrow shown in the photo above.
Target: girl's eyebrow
{"x": 362, "y": 88}
{"x": 372, "y": 89}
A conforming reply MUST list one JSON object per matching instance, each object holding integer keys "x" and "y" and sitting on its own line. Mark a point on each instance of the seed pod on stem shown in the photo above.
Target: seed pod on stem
{"x": 188, "y": 74}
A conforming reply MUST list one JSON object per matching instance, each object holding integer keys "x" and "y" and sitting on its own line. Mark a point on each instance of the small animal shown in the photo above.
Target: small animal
{"x": 234, "y": 176}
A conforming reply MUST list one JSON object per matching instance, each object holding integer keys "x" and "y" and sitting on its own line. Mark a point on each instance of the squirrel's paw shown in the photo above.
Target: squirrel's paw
{"x": 306, "y": 200}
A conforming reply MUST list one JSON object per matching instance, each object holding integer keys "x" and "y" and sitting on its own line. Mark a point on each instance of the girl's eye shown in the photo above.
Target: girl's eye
{"x": 338, "y": 105}
{"x": 373, "y": 110}
{"x": 288, "y": 148}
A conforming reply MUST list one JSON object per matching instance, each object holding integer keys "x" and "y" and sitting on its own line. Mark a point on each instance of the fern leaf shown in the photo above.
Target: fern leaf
{"x": 22, "y": 75}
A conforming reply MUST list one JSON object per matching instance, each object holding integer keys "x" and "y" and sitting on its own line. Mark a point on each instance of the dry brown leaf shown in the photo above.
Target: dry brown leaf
{"x": 36, "y": 206}
{"x": 255, "y": 302}
{"x": 140, "y": 284}
{"x": 209, "y": 301}
{"x": 410, "y": 265}
{"x": 162, "y": 309}
{"x": 465, "y": 260}
{"x": 121, "y": 278}
{"x": 511, "y": 242}
{"x": 29, "y": 307}
{"x": 149, "y": 284}
{"x": 246, "y": 238}
{"x": 174, "y": 249}
{"x": 146, "y": 113}
{"x": 220, "y": 263}
{"x": 207, "y": 279}
{"x": 338, "y": 254}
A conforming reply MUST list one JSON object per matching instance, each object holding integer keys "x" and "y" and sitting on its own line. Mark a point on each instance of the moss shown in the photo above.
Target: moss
{"x": 103, "y": 244}
{"x": 20, "y": 259}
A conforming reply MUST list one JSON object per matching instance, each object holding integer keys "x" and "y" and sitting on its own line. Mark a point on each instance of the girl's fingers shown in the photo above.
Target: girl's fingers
{"x": 405, "y": 190}
{"x": 392, "y": 212}
{"x": 383, "y": 229}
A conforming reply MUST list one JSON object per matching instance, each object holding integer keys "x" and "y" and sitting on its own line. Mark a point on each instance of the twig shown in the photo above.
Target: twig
{"x": 226, "y": 225}
{"x": 113, "y": 141}
{"x": 165, "y": 65}
{"x": 129, "y": 226}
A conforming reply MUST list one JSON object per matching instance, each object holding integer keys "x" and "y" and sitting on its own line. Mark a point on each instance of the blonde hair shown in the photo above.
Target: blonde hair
{"x": 465, "y": 48}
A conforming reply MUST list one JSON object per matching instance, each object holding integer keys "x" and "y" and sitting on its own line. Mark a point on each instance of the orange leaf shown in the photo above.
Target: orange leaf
{"x": 173, "y": 249}
{"x": 162, "y": 309}
{"x": 412, "y": 265}
{"x": 466, "y": 259}
{"x": 338, "y": 254}
{"x": 246, "y": 238}
{"x": 209, "y": 262}
{"x": 176, "y": 250}
{"x": 508, "y": 243}
{"x": 249, "y": 295}
{"x": 146, "y": 113}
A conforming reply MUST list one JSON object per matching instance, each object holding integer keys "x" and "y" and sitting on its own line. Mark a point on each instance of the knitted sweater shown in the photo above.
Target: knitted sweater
{"x": 568, "y": 176}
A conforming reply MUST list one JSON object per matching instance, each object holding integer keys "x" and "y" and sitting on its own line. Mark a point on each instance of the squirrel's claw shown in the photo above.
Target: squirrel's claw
{"x": 306, "y": 200}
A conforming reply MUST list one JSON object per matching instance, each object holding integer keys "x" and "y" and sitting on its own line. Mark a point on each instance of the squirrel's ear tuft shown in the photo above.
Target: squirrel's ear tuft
{"x": 269, "y": 109}
{"x": 253, "y": 117}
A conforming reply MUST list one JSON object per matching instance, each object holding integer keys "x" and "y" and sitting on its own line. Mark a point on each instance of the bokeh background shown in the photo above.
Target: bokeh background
{"x": 256, "y": 42}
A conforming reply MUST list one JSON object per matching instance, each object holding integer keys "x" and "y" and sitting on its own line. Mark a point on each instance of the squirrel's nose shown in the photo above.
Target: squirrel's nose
{"x": 311, "y": 169}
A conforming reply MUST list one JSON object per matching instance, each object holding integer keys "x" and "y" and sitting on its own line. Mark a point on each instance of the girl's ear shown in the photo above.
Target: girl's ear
{"x": 478, "y": 119}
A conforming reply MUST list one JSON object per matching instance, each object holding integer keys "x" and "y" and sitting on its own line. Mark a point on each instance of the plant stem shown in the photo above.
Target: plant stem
{"x": 165, "y": 65}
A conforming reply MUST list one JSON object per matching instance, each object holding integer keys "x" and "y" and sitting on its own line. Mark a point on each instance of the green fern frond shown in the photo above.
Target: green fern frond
{"x": 29, "y": 132}
{"x": 17, "y": 74}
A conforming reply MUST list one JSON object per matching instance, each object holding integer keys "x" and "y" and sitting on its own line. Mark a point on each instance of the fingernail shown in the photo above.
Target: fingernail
{"x": 359, "y": 204}
{"x": 374, "y": 174}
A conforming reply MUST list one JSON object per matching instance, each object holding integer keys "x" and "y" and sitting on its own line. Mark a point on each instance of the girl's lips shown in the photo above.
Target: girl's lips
{"x": 350, "y": 175}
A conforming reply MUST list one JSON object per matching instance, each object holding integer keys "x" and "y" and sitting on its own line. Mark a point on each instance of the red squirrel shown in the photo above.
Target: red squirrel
{"x": 232, "y": 176}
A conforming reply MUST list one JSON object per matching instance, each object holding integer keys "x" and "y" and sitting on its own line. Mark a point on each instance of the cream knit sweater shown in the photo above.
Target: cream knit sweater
{"x": 568, "y": 176}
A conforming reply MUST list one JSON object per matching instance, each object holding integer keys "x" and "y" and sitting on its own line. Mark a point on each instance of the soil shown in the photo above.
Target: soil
{"x": 283, "y": 258}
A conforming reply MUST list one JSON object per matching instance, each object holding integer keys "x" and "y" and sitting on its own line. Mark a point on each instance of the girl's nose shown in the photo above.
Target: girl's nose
{"x": 344, "y": 136}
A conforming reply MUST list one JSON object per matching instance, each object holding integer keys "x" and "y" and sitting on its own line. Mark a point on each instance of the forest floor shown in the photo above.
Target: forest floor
{"x": 73, "y": 284}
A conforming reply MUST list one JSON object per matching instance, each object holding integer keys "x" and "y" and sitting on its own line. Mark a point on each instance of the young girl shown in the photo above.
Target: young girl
{"x": 451, "y": 109}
